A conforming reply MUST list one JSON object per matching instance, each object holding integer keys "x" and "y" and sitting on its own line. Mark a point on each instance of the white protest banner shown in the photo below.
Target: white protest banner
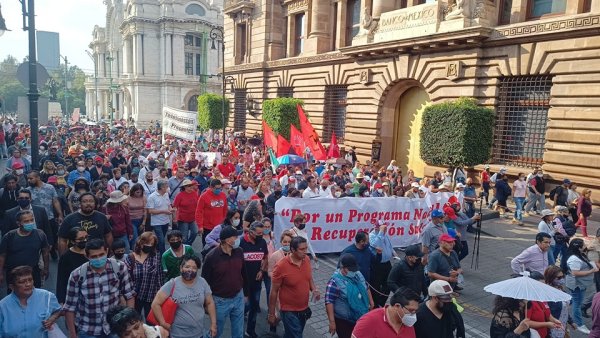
{"x": 179, "y": 123}
{"x": 332, "y": 223}
{"x": 208, "y": 158}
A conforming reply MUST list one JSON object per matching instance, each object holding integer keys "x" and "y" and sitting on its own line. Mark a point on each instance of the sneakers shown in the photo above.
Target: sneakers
{"x": 583, "y": 329}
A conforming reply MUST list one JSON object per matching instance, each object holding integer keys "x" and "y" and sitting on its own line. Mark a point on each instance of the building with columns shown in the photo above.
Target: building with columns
{"x": 153, "y": 53}
{"x": 365, "y": 69}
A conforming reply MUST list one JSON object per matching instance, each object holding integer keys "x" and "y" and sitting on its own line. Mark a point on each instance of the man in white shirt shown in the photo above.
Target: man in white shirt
{"x": 149, "y": 184}
{"x": 244, "y": 193}
{"x": 324, "y": 189}
{"x": 159, "y": 207}
{"x": 312, "y": 191}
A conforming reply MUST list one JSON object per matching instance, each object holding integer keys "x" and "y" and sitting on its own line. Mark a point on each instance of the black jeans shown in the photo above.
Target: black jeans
{"x": 379, "y": 278}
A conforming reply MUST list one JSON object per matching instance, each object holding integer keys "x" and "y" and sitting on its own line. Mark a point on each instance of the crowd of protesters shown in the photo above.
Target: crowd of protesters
{"x": 120, "y": 208}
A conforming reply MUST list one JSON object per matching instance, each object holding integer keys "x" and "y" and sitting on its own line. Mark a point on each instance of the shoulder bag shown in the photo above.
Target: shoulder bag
{"x": 169, "y": 307}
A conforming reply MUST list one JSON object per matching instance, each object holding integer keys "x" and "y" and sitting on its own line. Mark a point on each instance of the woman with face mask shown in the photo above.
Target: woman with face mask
{"x": 509, "y": 319}
{"x": 233, "y": 218}
{"x": 70, "y": 260}
{"x": 145, "y": 270}
{"x": 193, "y": 297}
{"x": 580, "y": 276}
{"x": 555, "y": 277}
{"x": 347, "y": 297}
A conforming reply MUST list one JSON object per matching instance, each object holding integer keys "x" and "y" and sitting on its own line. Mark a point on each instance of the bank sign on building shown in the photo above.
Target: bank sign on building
{"x": 365, "y": 69}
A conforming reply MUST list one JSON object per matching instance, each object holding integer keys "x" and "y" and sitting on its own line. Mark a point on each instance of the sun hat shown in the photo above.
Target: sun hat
{"x": 117, "y": 196}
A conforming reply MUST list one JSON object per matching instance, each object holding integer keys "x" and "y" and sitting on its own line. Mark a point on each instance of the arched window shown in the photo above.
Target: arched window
{"x": 195, "y": 9}
{"x": 193, "y": 103}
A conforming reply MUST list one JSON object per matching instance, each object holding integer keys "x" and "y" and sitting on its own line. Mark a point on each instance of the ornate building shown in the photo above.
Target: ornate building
{"x": 364, "y": 68}
{"x": 153, "y": 53}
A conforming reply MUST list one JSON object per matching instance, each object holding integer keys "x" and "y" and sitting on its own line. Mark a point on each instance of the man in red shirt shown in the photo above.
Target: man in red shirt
{"x": 225, "y": 167}
{"x": 211, "y": 209}
{"x": 291, "y": 284}
{"x": 393, "y": 320}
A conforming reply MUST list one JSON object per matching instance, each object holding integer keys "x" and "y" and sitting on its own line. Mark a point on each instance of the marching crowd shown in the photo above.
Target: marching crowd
{"x": 119, "y": 209}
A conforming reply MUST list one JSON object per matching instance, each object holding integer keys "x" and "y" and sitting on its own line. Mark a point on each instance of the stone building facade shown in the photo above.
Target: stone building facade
{"x": 155, "y": 53}
{"x": 365, "y": 68}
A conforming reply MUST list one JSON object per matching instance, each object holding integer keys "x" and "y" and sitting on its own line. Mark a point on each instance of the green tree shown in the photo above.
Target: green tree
{"x": 281, "y": 113}
{"x": 457, "y": 133}
{"x": 10, "y": 87}
{"x": 210, "y": 111}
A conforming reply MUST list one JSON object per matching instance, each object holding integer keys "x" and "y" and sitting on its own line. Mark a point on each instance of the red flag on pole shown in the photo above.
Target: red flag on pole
{"x": 310, "y": 136}
{"x": 270, "y": 140}
{"x": 334, "y": 149}
{"x": 283, "y": 146}
{"x": 297, "y": 141}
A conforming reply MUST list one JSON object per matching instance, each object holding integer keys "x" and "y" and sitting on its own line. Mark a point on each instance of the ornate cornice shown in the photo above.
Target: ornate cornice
{"x": 538, "y": 28}
{"x": 288, "y": 62}
{"x": 167, "y": 19}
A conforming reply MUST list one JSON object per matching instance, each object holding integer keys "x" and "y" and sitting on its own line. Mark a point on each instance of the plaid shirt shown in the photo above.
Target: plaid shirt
{"x": 90, "y": 296}
{"x": 146, "y": 277}
{"x": 332, "y": 292}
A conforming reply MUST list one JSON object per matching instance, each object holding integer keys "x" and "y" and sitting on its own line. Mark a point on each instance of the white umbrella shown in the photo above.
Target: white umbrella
{"x": 528, "y": 289}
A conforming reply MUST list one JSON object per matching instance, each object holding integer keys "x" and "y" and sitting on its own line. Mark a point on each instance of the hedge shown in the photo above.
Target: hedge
{"x": 457, "y": 133}
{"x": 210, "y": 107}
{"x": 281, "y": 113}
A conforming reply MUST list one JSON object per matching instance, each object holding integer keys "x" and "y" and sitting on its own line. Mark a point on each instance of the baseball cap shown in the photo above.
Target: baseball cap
{"x": 450, "y": 213}
{"x": 415, "y": 184}
{"x": 349, "y": 262}
{"x": 229, "y": 232}
{"x": 413, "y": 250}
{"x": 446, "y": 238}
{"x": 503, "y": 169}
{"x": 452, "y": 200}
{"x": 566, "y": 181}
{"x": 437, "y": 213}
{"x": 441, "y": 289}
{"x": 378, "y": 186}
{"x": 98, "y": 158}
{"x": 18, "y": 165}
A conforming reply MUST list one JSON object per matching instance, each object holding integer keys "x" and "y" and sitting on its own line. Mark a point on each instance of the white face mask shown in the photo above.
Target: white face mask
{"x": 338, "y": 193}
{"x": 380, "y": 191}
{"x": 540, "y": 175}
{"x": 235, "y": 222}
{"x": 19, "y": 171}
{"x": 409, "y": 319}
{"x": 80, "y": 169}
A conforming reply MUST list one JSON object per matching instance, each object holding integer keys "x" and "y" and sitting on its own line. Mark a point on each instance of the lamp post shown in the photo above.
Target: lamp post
{"x": 28, "y": 11}
{"x": 95, "y": 83}
{"x": 66, "y": 87}
{"x": 219, "y": 33}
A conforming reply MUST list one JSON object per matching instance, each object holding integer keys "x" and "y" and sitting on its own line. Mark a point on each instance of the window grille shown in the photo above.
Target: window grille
{"x": 522, "y": 118}
{"x": 335, "y": 112}
{"x": 239, "y": 117}
{"x": 285, "y": 91}
{"x": 189, "y": 63}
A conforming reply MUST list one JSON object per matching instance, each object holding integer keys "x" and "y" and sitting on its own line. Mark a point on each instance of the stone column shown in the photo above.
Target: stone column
{"x": 341, "y": 23}
{"x": 595, "y": 6}
{"x": 101, "y": 64}
{"x": 519, "y": 11}
{"x": 290, "y": 36}
{"x": 319, "y": 38}
{"x": 411, "y": 3}
{"x": 126, "y": 56}
{"x": 382, "y": 6}
{"x": 178, "y": 58}
{"x": 168, "y": 53}
{"x": 140, "y": 54}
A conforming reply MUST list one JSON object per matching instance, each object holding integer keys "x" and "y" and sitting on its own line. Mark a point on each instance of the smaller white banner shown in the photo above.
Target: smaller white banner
{"x": 179, "y": 123}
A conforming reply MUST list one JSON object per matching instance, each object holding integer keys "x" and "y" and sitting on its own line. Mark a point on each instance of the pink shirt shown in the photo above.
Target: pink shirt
{"x": 520, "y": 188}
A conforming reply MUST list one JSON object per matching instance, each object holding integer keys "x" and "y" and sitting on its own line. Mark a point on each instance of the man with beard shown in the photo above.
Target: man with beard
{"x": 244, "y": 193}
{"x": 44, "y": 195}
{"x": 99, "y": 169}
{"x": 39, "y": 213}
{"x": 438, "y": 316}
{"x": 9, "y": 193}
{"x": 88, "y": 219}
{"x": 52, "y": 156}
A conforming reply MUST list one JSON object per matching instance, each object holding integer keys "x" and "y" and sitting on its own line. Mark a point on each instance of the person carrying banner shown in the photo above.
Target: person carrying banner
{"x": 380, "y": 242}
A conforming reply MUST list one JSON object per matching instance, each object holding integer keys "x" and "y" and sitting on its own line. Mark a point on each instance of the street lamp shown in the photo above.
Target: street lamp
{"x": 33, "y": 94}
{"x": 95, "y": 84}
{"x": 219, "y": 33}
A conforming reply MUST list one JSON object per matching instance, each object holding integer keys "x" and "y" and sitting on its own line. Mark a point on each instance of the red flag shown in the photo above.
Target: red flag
{"x": 234, "y": 151}
{"x": 334, "y": 149}
{"x": 283, "y": 146}
{"x": 310, "y": 136}
{"x": 270, "y": 140}
{"x": 297, "y": 141}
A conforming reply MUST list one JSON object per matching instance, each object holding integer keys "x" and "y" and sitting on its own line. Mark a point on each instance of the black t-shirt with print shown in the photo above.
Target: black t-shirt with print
{"x": 96, "y": 225}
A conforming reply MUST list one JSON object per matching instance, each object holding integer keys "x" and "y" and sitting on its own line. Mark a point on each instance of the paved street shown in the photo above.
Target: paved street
{"x": 500, "y": 242}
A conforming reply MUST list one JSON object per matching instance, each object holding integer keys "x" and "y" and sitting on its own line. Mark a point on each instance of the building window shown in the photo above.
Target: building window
{"x": 198, "y": 64}
{"x": 505, "y": 12}
{"x": 189, "y": 63}
{"x": 193, "y": 103}
{"x": 285, "y": 91}
{"x": 539, "y": 8}
{"x": 299, "y": 31}
{"x": 241, "y": 42}
{"x": 522, "y": 117}
{"x": 195, "y": 9}
{"x": 239, "y": 106}
{"x": 188, "y": 40}
{"x": 335, "y": 112}
{"x": 352, "y": 20}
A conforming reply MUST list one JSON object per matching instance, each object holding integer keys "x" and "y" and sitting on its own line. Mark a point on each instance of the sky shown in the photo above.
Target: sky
{"x": 74, "y": 20}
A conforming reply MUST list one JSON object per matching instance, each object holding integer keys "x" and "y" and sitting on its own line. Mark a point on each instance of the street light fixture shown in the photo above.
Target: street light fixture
{"x": 28, "y": 11}
{"x": 219, "y": 33}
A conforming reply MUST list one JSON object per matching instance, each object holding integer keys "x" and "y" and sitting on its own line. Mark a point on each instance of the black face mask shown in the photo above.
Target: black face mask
{"x": 277, "y": 193}
{"x": 175, "y": 245}
{"x": 81, "y": 245}
{"x": 301, "y": 226}
{"x": 119, "y": 255}
{"x": 147, "y": 248}
{"x": 98, "y": 165}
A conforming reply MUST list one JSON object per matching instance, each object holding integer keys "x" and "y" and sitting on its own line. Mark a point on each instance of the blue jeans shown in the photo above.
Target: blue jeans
{"x": 160, "y": 231}
{"x": 251, "y": 307}
{"x": 125, "y": 240}
{"x": 234, "y": 309}
{"x": 577, "y": 301}
{"x": 292, "y": 324}
{"x": 189, "y": 231}
{"x": 470, "y": 209}
{"x": 551, "y": 259}
{"x": 519, "y": 201}
{"x": 135, "y": 223}
{"x": 560, "y": 249}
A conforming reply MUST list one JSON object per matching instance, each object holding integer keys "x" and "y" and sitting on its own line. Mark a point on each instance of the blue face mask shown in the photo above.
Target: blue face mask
{"x": 266, "y": 231}
{"x": 351, "y": 274}
{"x": 29, "y": 227}
{"x": 236, "y": 244}
{"x": 285, "y": 248}
{"x": 98, "y": 262}
{"x": 217, "y": 191}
